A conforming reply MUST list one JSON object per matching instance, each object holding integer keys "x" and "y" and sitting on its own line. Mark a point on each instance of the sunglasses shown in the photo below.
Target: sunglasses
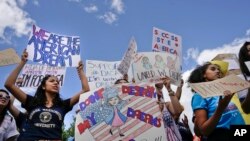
{"x": 6, "y": 97}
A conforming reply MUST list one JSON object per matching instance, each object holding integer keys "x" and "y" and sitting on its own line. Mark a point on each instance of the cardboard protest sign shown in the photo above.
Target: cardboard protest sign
{"x": 164, "y": 41}
{"x": 8, "y": 57}
{"x": 152, "y": 66}
{"x": 234, "y": 66}
{"x": 102, "y": 73}
{"x": 123, "y": 112}
{"x": 32, "y": 75}
{"x": 217, "y": 87}
{"x": 128, "y": 57}
{"x": 53, "y": 49}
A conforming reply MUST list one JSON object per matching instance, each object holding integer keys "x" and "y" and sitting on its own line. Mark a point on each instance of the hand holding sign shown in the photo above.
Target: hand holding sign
{"x": 80, "y": 69}
{"x": 223, "y": 102}
{"x": 24, "y": 57}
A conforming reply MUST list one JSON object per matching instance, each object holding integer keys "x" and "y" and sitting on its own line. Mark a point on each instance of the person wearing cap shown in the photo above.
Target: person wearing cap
{"x": 213, "y": 115}
{"x": 112, "y": 106}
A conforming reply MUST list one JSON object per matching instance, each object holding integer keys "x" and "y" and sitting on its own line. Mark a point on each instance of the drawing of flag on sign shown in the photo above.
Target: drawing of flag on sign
{"x": 123, "y": 112}
{"x": 53, "y": 49}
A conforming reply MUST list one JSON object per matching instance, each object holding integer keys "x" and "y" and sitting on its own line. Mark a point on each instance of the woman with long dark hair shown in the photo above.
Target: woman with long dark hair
{"x": 8, "y": 130}
{"x": 46, "y": 109}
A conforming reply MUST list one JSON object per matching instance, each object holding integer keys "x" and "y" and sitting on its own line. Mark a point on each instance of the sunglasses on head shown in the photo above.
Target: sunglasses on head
{"x": 6, "y": 97}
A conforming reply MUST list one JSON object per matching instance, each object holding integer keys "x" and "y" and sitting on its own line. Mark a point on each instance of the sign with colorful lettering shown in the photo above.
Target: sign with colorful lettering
{"x": 122, "y": 112}
{"x": 8, "y": 57}
{"x": 128, "y": 57}
{"x": 151, "y": 66}
{"x": 164, "y": 41}
{"x": 102, "y": 73}
{"x": 32, "y": 75}
{"x": 217, "y": 87}
{"x": 53, "y": 49}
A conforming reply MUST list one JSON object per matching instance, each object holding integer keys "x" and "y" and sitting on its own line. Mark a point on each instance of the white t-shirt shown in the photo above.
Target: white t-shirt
{"x": 8, "y": 128}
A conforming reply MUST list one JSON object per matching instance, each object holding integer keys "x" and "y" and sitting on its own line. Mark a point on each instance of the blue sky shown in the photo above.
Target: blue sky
{"x": 207, "y": 27}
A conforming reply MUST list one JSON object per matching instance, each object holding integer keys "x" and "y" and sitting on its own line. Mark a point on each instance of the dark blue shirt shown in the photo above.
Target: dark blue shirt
{"x": 44, "y": 122}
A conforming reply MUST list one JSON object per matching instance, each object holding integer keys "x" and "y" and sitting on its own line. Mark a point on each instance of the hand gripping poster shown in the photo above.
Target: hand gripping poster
{"x": 121, "y": 112}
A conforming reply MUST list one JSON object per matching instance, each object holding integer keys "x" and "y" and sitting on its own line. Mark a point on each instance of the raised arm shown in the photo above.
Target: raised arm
{"x": 207, "y": 125}
{"x": 174, "y": 105}
{"x": 84, "y": 82}
{"x": 13, "y": 110}
{"x": 11, "y": 80}
{"x": 179, "y": 90}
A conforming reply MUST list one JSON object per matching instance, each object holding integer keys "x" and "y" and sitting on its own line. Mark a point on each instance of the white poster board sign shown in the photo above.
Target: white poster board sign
{"x": 32, "y": 75}
{"x": 217, "y": 87}
{"x": 164, "y": 41}
{"x": 53, "y": 49}
{"x": 151, "y": 66}
{"x": 8, "y": 57}
{"x": 137, "y": 115}
{"x": 102, "y": 73}
{"x": 128, "y": 57}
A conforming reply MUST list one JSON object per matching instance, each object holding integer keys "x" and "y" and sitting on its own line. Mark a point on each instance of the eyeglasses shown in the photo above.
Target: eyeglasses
{"x": 6, "y": 97}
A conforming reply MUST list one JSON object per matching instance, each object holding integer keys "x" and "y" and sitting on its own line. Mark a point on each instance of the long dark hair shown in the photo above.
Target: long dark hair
{"x": 197, "y": 75}
{"x": 40, "y": 97}
{"x": 243, "y": 57}
{"x": 4, "y": 112}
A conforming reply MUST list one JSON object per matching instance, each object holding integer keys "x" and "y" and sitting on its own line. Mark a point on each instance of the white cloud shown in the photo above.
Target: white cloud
{"x": 22, "y": 2}
{"x": 248, "y": 32}
{"x": 192, "y": 53}
{"x": 36, "y": 2}
{"x": 14, "y": 18}
{"x": 74, "y": 0}
{"x": 118, "y": 6}
{"x": 233, "y": 47}
{"x": 108, "y": 17}
{"x": 91, "y": 9}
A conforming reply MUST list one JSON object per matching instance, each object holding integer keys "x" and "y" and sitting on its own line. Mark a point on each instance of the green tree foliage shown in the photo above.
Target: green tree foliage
{"x": 70, "y": 132}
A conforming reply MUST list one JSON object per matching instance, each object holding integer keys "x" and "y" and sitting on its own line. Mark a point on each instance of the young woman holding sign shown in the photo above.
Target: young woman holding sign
{"x": 213, "y": 115}
{"x": 46, "y": 110}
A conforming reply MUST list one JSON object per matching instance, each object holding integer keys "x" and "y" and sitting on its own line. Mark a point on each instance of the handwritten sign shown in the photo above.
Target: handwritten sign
{"x": 8, "y": 57}
{"x": 53, "y": 49}
{"x": 128, "y": 57}
{"x": 234, "y": 66}
{"x": 152, "y": 66}
{"x": 32, "y": 75}
{"x": 164, "y": 41}
{"x": 138, "y": 114}
{"x": 102, "y": 73}
{"x": 217, "y": 87}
